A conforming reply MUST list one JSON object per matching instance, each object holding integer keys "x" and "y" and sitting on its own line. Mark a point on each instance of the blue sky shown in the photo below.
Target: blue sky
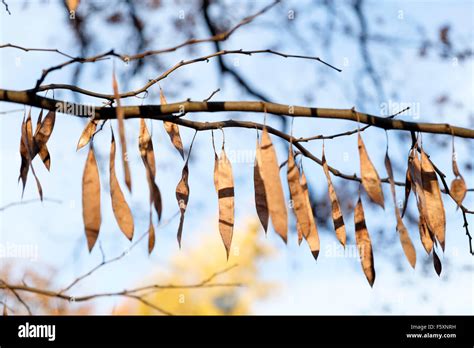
{"x": 335, "y": 285}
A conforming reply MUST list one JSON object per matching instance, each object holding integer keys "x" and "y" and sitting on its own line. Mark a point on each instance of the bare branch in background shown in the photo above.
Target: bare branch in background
{"x": 127, "y": 57}
{"x": 132, "y": 293}
{"x": 364, "y": 49}
{"x": 222, "y": 65}
{"x": 6, "y": 7}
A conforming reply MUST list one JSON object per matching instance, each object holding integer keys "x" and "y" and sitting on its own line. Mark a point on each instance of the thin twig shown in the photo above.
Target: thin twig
{"x": 149, "y": 304}
{"x": 204, "y": 283}
{"x": 105, "y": 262}
{"x": 469, "y": 237}
{"x": 212, "y": 95}
{"x": 10, "y": 111}
{"x": 18, "y": 297}
{"x": 28, "y": 201}
{"x": 206, "y": 58}
{"x": 28, "y": 49}
{"x": 6, "y": 307}
{"x": 6, "y": 7}
{"x": 323, "y": 137}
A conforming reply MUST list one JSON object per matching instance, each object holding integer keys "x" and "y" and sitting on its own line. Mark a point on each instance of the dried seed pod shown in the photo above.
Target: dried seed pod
{"x": 87, "y": 134}
{"x": 312, "y": 238}
{"x": 182, "y": 196}
{"x": 458, "y": 187}
{"x": 405, "y": 239}
{"x": 297, "y": 194}
{"x": 123, "y": 140}
{"x": 225, "y": 193}
{"x": 91, "y": 199}
{"x": 172, "y": 129}
{"x": 274, "y": 191}
{"x": 436, "y": 217}
{"x": 147, "y": 154}
{"x": 370, "y": 177}
{"x": 364, "y": 244}
{"x": 336, "y": 211}
{"x": 259, "y": 189}
{"x": 121, "y": 210}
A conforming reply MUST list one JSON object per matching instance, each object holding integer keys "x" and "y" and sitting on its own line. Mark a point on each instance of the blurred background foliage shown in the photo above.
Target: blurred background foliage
{"x": 249, "y": 251}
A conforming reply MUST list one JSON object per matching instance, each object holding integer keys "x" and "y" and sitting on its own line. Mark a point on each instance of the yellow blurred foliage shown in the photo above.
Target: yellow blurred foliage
{"x": 193, "y": 265}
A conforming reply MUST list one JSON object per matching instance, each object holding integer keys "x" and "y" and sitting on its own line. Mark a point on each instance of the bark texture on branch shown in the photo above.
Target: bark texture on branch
{"x": 161, "y": 112}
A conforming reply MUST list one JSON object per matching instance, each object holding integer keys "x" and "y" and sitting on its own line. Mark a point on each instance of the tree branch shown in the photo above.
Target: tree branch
{"x": 343, "y": 134}
{"x": 34, "y": 200}
{"x": 126, "y": 58}
{"x": 164, "y": 112}
{"x": 222, "y": 65}
{"x": 165, "y": 74}
{"x": 6, "y": 7}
